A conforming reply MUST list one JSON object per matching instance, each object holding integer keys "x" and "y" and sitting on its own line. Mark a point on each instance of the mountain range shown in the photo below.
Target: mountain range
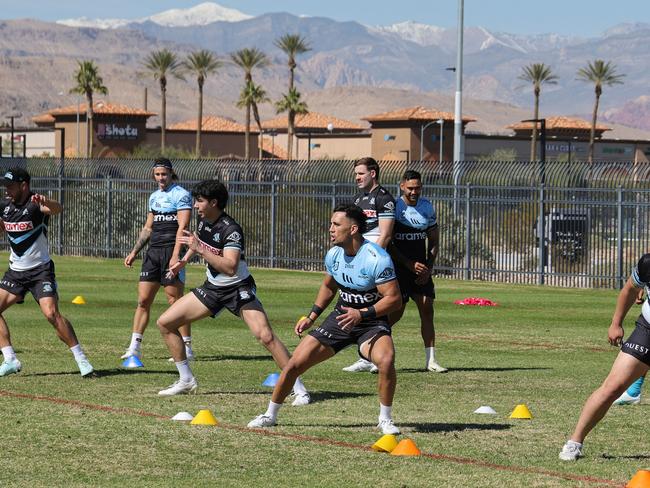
{"x": 399, "y": 64}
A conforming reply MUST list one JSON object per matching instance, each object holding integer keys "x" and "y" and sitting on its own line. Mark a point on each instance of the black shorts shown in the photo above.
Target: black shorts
{"x": 329, "y": 333}
{"x": 40, "y": 281}
{"x": 155, "y": 266}
{"x": 408, "y": 287}
{"x": 234, "y": 297}
{"x": 638, "y": 343}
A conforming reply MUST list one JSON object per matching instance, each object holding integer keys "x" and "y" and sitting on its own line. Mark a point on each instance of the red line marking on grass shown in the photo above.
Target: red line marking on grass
{"x": 320, "y": 440}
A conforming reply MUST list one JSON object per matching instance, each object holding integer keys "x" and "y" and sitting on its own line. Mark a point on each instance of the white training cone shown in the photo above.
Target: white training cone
{"x": 183, "y": 416}
{"x": 486, "y": 409}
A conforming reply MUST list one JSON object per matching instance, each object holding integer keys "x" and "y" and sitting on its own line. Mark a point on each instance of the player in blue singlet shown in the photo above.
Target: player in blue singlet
{"x": 170, "y": 208}
{"x": 363, "y": 274}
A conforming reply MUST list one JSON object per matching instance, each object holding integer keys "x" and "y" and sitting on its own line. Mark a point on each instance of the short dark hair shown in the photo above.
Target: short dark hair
{"x": 165, "y": 163}
{"x": 355, "y": 213}
{"x": 411, "y": 174}
{"x": 212, "y": 190}
{"x": 369, "y": 163}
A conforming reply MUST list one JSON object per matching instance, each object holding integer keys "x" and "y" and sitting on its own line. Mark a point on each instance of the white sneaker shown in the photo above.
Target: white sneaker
{"x": 132, "y": 352}
{"x": 571, "y": 451}
{"x": 301, "y": 399}
{"x": 388, "y": 427}
{"x": 180, "y": 388}
{"x": 627, "y": 399}
{"x": 435, "y": 367}
{"x": 12, "y": 366}
{"x": 261, "y": 421}
{"x": 188, "y": 354}
{"x": 360, "y": 366}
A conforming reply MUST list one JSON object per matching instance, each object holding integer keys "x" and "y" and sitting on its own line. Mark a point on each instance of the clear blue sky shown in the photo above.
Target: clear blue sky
{"x": 577, "y": 17}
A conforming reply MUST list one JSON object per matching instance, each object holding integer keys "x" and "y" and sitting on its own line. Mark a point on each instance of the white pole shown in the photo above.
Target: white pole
{"x": 78, "y": 108}
{"x": 442, "y": 123}
{"x": 459, "y": 151}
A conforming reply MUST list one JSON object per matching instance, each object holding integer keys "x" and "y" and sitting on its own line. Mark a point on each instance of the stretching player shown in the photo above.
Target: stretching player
{"x": 363, "y": 274}
{"x": 229, "y": 285}
{"x": 25, "y": 216}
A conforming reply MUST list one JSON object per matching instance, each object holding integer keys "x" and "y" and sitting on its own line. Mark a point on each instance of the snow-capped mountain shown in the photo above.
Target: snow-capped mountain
{"x": 202, "y": 14}
{"x": 422, "y": 34}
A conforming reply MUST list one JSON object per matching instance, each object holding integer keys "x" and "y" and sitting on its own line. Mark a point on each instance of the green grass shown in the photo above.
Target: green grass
{"x": 545, "y": 347}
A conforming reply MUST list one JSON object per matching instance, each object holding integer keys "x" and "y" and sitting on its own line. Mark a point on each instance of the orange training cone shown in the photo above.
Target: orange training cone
{"x": 386, "y": 443}
{"x": 204, "y": 417}
{"x": 521, "y": 412}
{"x": 406, "y": 447}
{"x": 640, "y": 480}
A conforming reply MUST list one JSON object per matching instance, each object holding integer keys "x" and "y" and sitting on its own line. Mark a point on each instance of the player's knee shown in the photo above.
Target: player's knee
{"x": 265, "y": 337}
{"x": 385, "y": 361}
{"x": 52, "y": 316}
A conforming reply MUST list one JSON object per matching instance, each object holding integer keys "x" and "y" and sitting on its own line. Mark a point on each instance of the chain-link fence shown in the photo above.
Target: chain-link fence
{"x": 595, "y": 216}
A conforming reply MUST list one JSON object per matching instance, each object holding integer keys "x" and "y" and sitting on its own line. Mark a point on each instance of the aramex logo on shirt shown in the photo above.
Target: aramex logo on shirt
{"x": 18, "y": 226}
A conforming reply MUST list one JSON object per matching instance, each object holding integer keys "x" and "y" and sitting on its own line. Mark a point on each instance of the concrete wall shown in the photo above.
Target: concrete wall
{"x": 336, "y": 146}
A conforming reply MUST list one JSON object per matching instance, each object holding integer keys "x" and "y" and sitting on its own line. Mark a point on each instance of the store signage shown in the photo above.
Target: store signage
{"x": 116, "y": 131}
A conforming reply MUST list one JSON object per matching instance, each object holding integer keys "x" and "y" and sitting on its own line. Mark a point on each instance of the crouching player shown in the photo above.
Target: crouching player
{"x": 364, "y": 276}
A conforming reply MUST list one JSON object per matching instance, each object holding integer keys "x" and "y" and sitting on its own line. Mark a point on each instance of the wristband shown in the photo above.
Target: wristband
{"x": 315, "y": 310}
{"x": 371, "y": 313}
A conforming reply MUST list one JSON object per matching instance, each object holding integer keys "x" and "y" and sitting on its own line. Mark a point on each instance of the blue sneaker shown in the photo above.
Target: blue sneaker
{"x": 10, "y": 367}
{"x": 85, "y": 368}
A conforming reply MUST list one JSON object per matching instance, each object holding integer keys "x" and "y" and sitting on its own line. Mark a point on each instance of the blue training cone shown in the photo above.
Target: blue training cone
{"x": 271, "y": 380}
{"x": 132, "y": 362}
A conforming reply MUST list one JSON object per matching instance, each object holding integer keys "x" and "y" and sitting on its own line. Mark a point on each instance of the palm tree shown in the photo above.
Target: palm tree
{"x": 88, "y": 82}
{"x": 161, "y": 64}
{"x": 292, "y": 45}
{"x": 537, "y": 74}
{"x": 599, "y": 73}
{"x": 247, "y": 59}
{"x": 291, "y": 104}
{"x": 250, "y": 97}
{"x": 201, "y": 63}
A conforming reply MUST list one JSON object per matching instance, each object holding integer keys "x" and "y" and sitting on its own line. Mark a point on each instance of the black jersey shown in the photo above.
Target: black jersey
{"x": 377, "y": 204}
{"x": 214, "y": 237}
{"x": 164, "y": 205}
{"x": 26, "y": 228}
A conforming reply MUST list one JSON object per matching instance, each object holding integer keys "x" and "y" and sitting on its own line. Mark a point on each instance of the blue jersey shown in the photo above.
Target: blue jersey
{"x": 359, "y": 275}
{"x": 164, "y": 205}
{"x": 412, "y": 224}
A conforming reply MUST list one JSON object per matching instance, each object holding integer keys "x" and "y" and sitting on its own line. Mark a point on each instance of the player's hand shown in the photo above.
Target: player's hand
{"x": 302, "y": 325}
{"x": 174, "y": 269}
{"x": 615, "y": 334}
{"x": 349, "y": 318}
{"x": 189, "y": 239}
{"x": 420, "y": 269}
{"x": 128, "y": 261}
{"x": 639, "y": 298}
{"x": 38, "y": 199}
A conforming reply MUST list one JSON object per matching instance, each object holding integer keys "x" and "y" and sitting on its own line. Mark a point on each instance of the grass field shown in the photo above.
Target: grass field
{"x": 544, "y": 347}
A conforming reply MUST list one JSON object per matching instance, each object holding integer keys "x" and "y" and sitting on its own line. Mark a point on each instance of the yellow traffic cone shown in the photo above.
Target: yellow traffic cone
{"x": 204, "y": 417}
{"x": 386, "y": 443}
{"x": 521, "y": 412}
{"x": 640, "y": 480}
{"x": 406, "y": 447}
{"x": 79, "y": 300}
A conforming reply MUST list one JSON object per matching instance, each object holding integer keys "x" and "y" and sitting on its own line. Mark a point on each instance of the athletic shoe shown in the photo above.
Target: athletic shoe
{"x": 188, "y": 353}
{"x": 388, "y": 427}
{"x": 436, "y": 368}
{"x": 360, "y": 366}
{"x": 85, "y": 368}
{"x": 627, "y": 399}
{"x": 261, "y": 421}
{"x": 301, "y": 399}
{"x": 10, "y": 367}
{"x": 132, "y": 352}
{"x": 180, "y": 388}
{"x": 571, "y": 451}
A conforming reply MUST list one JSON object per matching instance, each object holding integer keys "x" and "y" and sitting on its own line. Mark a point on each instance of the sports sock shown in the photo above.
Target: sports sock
{"x": 184, "y": 371}
{"x": 430, "y": 354}
{"x": 385, "y": 413}
{"x": 8, "y": 353}
{"x": 187, "y": 340}
{"x": 136, "y": 342}
{"x": 78, "y": 353}
{"x": 574, "y": 443}
{"x": 635, "y": 388}
{"x": 273, "y": 409}
{"x": 299, "y": 387}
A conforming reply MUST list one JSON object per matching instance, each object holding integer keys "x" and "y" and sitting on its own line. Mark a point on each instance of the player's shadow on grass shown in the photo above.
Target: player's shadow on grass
{"x": 234, "y": 357}
{"x": 319, "y": 396}
{"x": 100, "y": 373}
{"x": 454, "y": 370}
{"x": 430, "y": 427}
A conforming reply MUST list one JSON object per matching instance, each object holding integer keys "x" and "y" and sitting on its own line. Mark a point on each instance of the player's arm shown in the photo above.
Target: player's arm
{"x": 324, "y": 297}
{"x": 47, "y": 205}
{"x": 385, "y": 231}
{"x": 390, "y": 301}
{"x": 226, "y": 264}
{"x": 143, "y": 238}
{"x": 183, "y": 224}
{"x": 433, "y": 245}
{"x": 626, "y": 299}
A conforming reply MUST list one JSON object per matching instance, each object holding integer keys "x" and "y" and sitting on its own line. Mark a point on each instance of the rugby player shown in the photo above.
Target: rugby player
{"x": 414, "y": 248}
{"x": 632, "y": 362}
{"x": 379, "y": 207}
{"x": 229, "y": 285}
{"x": 363, "y": 274}
{"x": 25, "y": 216}
{"x": 170, "y": 207}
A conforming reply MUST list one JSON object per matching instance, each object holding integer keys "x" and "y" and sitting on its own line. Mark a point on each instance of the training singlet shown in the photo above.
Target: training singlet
{"x": 225, "y": 233}
{"x": 411, "y": 226}
{"x": 377, "y": 204}
{"x": 164, "y": 205}
{"x": 641, "y": 279}
{"x": 26, "y": 228}
{"x": 359, "y": 275}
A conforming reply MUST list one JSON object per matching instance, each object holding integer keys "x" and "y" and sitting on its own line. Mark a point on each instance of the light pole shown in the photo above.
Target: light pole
{"x": 422, "y": 129}
{"x": 12, "y": 117}
{"x": 442, "y": 123}
{"x": 459, "y": 152}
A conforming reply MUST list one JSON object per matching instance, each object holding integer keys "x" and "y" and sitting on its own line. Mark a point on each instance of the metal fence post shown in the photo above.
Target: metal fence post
{"x": 61, "y": 201}
{"x": 468, "y": 232}
{"x": 541, "y": 236}
{"x": 109, "y": 216}
{"x": 619, "y": 237}
{"x": 273, "y": 226}
{"x": 333, "y": 194}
